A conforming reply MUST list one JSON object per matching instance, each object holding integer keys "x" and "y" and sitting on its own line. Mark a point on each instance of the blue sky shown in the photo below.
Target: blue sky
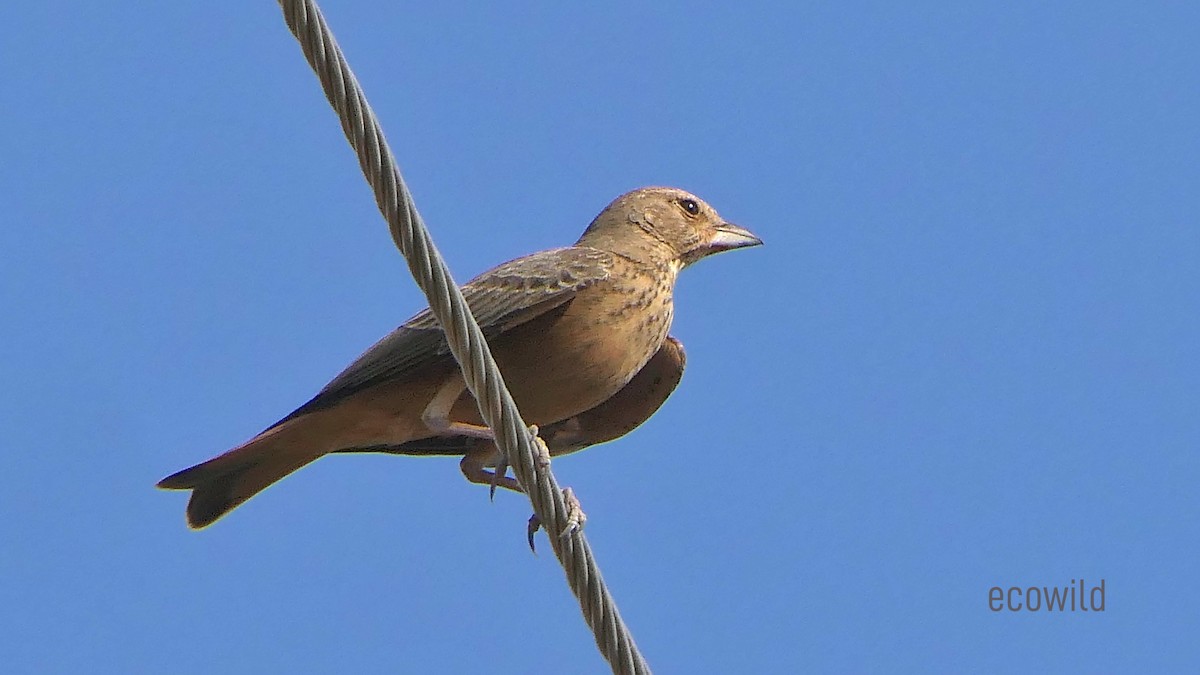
{"x": 966, "y": 357}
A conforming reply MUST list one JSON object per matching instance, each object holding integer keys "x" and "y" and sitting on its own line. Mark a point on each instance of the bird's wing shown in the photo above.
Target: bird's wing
{"x": 500, "y": 299}
{"x": 623, "y": 412}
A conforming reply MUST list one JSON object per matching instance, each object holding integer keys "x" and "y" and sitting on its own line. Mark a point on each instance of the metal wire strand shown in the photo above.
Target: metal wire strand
{"x": 466, "y": 340}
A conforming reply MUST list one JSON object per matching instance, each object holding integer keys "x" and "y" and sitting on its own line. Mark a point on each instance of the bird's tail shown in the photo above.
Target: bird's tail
{"x": 222, "y": 483}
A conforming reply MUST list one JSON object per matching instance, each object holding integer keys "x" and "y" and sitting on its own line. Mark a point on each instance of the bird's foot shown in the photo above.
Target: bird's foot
{"x": 541, "y": 451}
{"x": 474, "y": 467}
{"x": 576, "y": 519}
{"x": 476, "y": 463}
{"x": 541, "y": 456}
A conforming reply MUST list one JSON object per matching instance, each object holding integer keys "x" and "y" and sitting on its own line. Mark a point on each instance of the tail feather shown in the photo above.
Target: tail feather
{"x": 223, "y": 483}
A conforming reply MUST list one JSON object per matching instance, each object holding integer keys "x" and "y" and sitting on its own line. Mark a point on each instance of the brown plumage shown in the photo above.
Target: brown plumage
{"x": 569, "y": 328}
{"x": 621, "y": 413}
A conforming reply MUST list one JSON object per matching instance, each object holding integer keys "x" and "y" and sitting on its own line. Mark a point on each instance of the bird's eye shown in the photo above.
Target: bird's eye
{"x": 690, "y": 206}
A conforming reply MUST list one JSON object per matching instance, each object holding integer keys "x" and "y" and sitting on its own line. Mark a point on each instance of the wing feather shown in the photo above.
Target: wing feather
{"x": 500, "y": 299}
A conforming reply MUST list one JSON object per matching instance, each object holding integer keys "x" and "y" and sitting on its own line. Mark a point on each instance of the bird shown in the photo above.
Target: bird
{"x": 569, "y": 328}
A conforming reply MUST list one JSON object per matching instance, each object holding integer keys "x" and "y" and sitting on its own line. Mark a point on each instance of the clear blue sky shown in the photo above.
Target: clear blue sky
{"x": 967, "y": 356}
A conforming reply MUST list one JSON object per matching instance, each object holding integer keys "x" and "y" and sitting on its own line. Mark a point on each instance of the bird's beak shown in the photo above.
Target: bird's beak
{"x": 729, "y": 236}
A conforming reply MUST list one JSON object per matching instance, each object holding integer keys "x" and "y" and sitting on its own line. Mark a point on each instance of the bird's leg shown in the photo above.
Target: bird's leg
{"x": 474, "y": 466}
{"x": 437, "y": 414}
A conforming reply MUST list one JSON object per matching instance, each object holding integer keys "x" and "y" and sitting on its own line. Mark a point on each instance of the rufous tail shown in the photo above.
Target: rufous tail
{"x": 222, "y": 483}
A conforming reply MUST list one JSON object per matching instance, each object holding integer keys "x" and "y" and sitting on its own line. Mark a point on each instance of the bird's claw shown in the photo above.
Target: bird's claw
{"x": 576, "y": 519}
{"x": 531, "y": 529}
{"x": 541, "y": 451}
{"x": 500, "y": 470}
{"x": 541, "y": 456}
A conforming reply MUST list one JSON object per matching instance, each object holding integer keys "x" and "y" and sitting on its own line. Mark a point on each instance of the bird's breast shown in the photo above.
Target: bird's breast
{"x": 562, "y": 364}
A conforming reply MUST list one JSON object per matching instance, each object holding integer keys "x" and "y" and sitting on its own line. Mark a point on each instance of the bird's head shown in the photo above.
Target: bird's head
{"x": 661, "y": 223}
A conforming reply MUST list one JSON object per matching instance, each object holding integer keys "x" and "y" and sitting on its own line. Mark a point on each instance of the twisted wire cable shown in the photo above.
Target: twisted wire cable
{"x": 514, "y": 439}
